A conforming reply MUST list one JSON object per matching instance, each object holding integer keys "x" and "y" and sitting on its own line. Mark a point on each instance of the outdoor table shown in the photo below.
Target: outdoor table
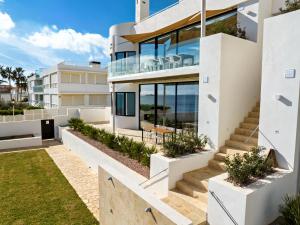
{"x": 162, "y": 131}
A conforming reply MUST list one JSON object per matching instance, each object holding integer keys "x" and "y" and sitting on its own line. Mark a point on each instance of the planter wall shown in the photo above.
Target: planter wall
{"x": 174, "y": 170}
{"x": 21, "y": 143}
{"x": 256, "y": 204}
{"x": 93, "y": 157}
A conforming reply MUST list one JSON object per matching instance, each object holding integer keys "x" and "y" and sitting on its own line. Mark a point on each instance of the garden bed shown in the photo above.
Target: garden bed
{"x": 125, "y": 160}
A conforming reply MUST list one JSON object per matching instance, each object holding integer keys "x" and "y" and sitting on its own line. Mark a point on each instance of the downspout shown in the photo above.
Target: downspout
{"x": 203, "y": 18}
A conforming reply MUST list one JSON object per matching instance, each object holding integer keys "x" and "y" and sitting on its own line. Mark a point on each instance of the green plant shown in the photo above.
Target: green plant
{"x": 243, "y": 168}
{"x": 290, "y": 5}
{"x": 135, "y": 150}
{"x": 227, "y": 26}
{"x": 183, "y": 144}
{"x": 76, "y": 123}
{"x": 290, "y": 211}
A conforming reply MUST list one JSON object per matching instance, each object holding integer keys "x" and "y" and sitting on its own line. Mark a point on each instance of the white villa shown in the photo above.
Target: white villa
{"x": 225, "y": 69}
{"x": 177, "y": 69}
{"x": 68, "y": 85}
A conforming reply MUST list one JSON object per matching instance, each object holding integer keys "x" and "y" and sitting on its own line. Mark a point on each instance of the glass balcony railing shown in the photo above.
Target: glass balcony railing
{"x": 163, "y": 57}
{"x": 38, "y": 88}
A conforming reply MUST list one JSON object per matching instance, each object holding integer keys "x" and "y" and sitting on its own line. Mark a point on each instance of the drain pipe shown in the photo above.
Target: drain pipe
{"x": 203, "y": 18}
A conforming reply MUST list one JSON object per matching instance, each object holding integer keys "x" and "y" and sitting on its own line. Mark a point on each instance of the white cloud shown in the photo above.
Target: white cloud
{"x": 1, "y": 1}
{"x": 69, "y": 39}
{"x": 6, "y": 24}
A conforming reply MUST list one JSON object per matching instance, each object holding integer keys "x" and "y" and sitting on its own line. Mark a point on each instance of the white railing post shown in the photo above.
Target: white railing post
{"x": 203, "y": 18}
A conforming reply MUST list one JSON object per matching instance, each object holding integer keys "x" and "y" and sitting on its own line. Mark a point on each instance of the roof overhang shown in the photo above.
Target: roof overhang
{"x": 135, "y": 38}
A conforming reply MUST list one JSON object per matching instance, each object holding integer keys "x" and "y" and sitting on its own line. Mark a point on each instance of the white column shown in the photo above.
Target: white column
{"x": 113, "y": 101}
{"x": 203, "y": 18}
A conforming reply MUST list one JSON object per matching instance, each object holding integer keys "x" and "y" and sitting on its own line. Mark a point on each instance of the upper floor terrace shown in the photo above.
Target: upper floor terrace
{"x": 177, "y": 50}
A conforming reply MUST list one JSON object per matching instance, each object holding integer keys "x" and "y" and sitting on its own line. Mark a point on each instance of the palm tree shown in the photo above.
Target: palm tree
{"x": 8, "y": 74}
{"x": 19, "y": 78}
{"x": 1, "y": 75}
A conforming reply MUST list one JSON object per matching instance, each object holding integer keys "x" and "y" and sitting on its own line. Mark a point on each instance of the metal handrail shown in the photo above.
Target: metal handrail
{"x": 251, "y": 135}
{"x": 223, "y": 207}
{"x": 153, "y": 176}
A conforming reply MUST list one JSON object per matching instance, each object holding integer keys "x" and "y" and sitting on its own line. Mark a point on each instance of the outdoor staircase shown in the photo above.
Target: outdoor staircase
{"x": 191, "y": 193}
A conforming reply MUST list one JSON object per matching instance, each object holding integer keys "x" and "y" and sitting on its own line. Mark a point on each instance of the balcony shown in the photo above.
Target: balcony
{"x": 165, "y": 56}
{"x": 38, "y": 88}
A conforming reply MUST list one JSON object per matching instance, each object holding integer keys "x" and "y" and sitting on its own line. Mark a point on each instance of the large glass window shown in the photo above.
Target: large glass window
{"x": 187, "y": 106}
{"x": 125, "y": 103}
{"x": 166, "y": 104}
{"x": 171, "y": 105}
{"x": 189, "y": 44}
{"x": 147, "y": 104}
{"x": 148, "y": 55}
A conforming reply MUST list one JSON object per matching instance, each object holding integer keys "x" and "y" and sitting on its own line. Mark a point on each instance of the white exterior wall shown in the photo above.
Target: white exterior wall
{"x": 232, "y": 67}
{"x": 280, "y": 116}
{"x": 20, "y": 128}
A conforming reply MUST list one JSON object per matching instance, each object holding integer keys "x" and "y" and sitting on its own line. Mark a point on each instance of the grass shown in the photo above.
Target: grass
{"x": 33, "y": 191}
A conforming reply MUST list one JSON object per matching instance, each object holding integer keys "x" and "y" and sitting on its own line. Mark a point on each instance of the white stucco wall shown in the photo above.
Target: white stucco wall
{"x": 21, "y": 143}
{"x": 173, "y": 170}
{"x": 280, "y": 116}
{"x": 256, "y": 204}
{"x": 101, "y": 114}
{"x": 232, "y": 67}
{"x": 129, "y": 122}
{"x": 20, "y": 128}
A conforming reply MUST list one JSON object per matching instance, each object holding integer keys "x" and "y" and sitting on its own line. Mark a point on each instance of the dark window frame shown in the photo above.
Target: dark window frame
{"x": 125, "y": 111}
{"x": 155, "y": 100}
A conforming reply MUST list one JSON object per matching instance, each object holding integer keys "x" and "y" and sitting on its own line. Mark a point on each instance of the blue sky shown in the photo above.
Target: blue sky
{"x": 39, "y": 33}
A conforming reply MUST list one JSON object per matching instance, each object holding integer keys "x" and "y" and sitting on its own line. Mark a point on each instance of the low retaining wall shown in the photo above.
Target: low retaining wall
{"x": 93, "y": 157}
{"x": 122, "y": 202}
{"x": 256, "y": 204}
{"x": 21, "y": 143}
{"x": 174, "y": 170}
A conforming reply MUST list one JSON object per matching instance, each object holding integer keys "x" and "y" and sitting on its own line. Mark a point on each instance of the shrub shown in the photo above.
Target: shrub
{"x": 9, "y": 112}
{"x": 184, "y": 144}
{"x": 135, "y": 150}
{"x": 290, "y": 211}
{"x": 76, "y": 124}
{"x": 242, "y": 169}
{"x": 290, "y": 5}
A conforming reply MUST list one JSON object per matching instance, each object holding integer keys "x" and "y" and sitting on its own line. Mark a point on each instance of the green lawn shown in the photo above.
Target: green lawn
{"x": 34, "y": 191}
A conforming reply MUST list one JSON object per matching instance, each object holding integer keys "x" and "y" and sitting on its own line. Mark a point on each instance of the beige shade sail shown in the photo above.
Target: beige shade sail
{"x": 135, "y": 38}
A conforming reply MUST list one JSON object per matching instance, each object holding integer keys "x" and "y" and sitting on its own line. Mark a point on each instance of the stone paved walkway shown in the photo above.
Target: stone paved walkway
{"x": 83, "y": 179}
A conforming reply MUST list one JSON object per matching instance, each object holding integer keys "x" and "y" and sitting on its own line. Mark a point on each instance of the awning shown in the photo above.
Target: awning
{"x": 134, "y": 38}
{"x": 213, "y": 8}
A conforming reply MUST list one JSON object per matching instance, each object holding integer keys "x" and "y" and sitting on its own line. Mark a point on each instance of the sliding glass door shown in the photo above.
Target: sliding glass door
{"x": 173, "y": 105}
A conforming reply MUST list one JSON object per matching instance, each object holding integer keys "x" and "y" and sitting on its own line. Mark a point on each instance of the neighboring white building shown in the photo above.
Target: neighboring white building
{"x": 67, "y": 85}
{"x": 35, "y": 90}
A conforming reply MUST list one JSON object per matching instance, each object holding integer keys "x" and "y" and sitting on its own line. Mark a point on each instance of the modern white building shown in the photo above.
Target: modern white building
{"x": 35, "y": 90}
{"x": 199, "y": 67}
{"x": 66, "y": 85}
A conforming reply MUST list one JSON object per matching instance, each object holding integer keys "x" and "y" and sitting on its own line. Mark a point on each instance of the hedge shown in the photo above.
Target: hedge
{"x": 134, "y": 150}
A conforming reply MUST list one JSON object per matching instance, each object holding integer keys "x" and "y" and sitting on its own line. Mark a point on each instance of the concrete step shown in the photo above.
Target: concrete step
{"x": 199, "y": 178}
{"x": 256, "y": 109}
{"x": 231, "y": 151}
{"x": 191, "y": 190}
{"x": 246, "y": 132}
{"x": 239, "y": 145}
{"x": 189, "y": 208}
{"x": 253, "y": 114}
{"x": 220, "y": 156}
{"x": 251, "y": 120}
{"x": 243, "y": 138}
{"x": 217, "y": 165}
{"x": 249, "y": 126}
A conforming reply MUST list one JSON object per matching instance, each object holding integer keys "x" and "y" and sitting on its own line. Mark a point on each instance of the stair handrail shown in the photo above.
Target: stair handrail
{"x": 223, "y": 207}
{"x": 145, "y": 181}
{"x": 251, "y": 135}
